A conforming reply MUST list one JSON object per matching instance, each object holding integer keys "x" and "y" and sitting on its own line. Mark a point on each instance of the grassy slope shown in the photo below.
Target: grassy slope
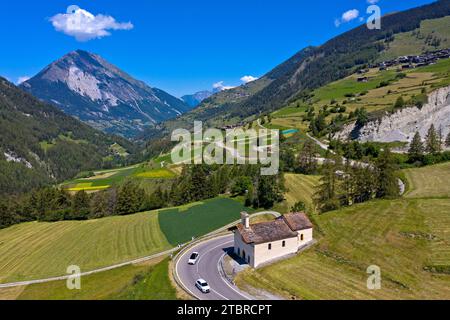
{"x": 402, "y": 237}
{"x": 38, "y": 250}
{"x": 422, "y": 185}
{"x": 136, "y": 282}
{"x": 300, "y": 188}
{"x": 154, "y": 284}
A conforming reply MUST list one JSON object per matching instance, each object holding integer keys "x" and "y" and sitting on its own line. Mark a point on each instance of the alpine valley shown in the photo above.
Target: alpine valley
{"x": 358, "y": 208}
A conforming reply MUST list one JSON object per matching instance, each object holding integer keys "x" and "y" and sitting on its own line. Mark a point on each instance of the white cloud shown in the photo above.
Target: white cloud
{"x": 220, "y": 86}
{"x": 22, "y": 79}
{"x": 350, "y": 15}
{"x": 85, "y": 26}
{"x": 347, "y": 17}
{"x": 247, "y": 79}
{"x": 373, "y": 1}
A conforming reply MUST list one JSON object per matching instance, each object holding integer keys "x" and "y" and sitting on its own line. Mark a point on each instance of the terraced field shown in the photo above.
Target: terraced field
{"x": 407, "y": 238}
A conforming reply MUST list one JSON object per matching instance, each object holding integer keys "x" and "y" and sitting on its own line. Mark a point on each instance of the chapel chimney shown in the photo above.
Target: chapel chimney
{"x": 245, "y": 220}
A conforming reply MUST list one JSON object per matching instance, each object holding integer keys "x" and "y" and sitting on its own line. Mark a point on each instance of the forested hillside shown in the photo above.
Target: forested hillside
{"x": 40, "y": 144}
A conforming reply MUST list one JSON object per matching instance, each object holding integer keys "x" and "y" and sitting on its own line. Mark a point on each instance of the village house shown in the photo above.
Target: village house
{"x": 264, "y": 242}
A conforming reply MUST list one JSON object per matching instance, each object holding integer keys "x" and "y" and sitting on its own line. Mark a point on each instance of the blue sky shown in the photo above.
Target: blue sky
{"x": 180, "y": 46}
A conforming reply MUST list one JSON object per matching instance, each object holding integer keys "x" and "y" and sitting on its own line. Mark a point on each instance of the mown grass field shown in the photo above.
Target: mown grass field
{"x": 149, "y": 281}
{"x": 403, "y": 237}
{"x": 429, "y": 182}
{"x": 40, "y": 250}
{"x": 300, "y": 188}
{"x": 181, "y": 224}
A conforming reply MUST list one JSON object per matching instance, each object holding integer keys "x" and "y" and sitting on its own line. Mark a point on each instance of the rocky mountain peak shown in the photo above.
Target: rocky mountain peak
{"x": 87, "y": 86}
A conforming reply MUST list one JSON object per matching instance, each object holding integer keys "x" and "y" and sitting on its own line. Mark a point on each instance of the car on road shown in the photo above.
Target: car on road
{"x": 193, "y": 258}
{"x": 203, "y": 286}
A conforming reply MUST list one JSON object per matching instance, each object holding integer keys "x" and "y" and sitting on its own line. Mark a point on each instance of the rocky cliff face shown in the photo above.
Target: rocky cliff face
{"x": 88, "y": 87}
{"x": 402, "y": 125}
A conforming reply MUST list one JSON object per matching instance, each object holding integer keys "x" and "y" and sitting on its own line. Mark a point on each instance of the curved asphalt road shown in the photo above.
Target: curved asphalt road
{"x": 207, "y": 268}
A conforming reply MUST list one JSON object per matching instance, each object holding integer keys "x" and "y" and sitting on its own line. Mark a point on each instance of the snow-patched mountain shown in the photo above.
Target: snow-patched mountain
{"x": 88, "y": 87}
{"x": 193, "y": 100}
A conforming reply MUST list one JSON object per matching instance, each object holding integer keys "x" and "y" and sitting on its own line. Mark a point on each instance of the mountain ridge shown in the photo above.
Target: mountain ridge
{"x": 95, "y": 91}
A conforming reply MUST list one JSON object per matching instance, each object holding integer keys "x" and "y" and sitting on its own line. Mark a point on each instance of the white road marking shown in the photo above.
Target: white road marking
{"x": 226, "y": 281}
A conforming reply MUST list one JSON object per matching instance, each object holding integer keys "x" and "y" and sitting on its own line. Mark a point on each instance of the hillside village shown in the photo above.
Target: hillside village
{"x": 407, "y": 62}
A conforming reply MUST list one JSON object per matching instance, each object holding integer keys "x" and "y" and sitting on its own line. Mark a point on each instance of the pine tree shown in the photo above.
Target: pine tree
{"x": 364, "y": 182}
{"x": 129, "y": 198}
{"x": 99, "y": 205}
{"x": 432, "y": 139}
{"x": 387, "y": 182}
{"x": 447, "y": 141}
{"x": 362, "y": 117}
{"x": 80, "y": 206}
{"x": 326, "y": 197}
{"x": 6, "y": 218}
{"x": 400, "y": 103}
{"x": 307, "y": 163}
{"x": 416, "y": 149}
{"x": 299, "y": 207}
{"x": 440, "y": 139}
{"x": 200, "y": 185}
{"x": 269, "y": 192}
{"x": 241, "y": 186}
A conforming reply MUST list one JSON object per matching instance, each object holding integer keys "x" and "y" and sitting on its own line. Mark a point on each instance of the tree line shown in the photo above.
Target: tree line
{"x": 344, "y": 183}
{"x": 196, "y": 183}
{"x": 430, "y": 150}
